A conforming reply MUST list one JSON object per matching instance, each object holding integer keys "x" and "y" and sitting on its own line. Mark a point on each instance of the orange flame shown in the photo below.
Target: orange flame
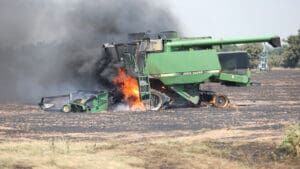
{"x": 129, "y": 87}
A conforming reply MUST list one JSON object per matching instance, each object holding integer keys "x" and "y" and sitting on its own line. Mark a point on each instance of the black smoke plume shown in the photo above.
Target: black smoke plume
{"x": 51, "y": 47}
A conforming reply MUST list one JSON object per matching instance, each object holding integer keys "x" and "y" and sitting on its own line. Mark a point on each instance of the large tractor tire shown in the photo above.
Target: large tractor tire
{"x": 156, "y": 101}
{"x": 220, "y": 101}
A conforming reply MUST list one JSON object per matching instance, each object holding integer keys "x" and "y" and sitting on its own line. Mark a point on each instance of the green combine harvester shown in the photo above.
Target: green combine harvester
{"x": 170, "y": 69}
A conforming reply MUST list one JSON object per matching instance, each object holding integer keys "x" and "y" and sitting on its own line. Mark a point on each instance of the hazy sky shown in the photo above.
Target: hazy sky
{"x": 224, "y": 18}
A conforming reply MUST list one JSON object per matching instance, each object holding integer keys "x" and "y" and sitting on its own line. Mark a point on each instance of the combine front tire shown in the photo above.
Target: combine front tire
{"x": 220, "y": 101}
{"x": 66, "y": 108}
{"x": 156, "y": 100}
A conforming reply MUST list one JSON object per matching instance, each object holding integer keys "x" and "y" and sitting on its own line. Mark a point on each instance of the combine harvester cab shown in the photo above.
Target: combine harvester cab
{"x": 170, "y": 69}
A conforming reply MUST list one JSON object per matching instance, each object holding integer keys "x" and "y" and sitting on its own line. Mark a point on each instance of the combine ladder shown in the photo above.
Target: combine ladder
{"x": 145, "y": 90}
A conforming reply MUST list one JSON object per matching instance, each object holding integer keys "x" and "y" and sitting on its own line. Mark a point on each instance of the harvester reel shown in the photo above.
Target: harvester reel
{"x": 66, "y": 108}
{"x": 220, "y": 101}
{"x": 156, "y": 100}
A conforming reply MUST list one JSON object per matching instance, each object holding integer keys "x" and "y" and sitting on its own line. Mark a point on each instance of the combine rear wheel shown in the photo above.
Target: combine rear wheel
{"x": 220, "y": 101}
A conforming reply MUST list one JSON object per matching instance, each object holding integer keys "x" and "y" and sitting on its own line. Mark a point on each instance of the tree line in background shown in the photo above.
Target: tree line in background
{"x": 287, "y": 56}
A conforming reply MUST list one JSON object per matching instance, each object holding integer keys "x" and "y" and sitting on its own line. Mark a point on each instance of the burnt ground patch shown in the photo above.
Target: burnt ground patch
{"x": 268, "y": 106}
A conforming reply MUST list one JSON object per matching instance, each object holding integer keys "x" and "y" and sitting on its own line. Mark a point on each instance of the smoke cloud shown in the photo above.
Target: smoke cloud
{"x": 52, "y": 47}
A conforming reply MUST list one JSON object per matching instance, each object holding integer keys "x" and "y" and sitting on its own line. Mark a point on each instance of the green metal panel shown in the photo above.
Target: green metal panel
{"x": 183, "y": 67}
{"x": 100, "y": 103}
{"x": 191, "y": 95}
{"x": 187, "y": 79}
{"x": 242, "y": 79}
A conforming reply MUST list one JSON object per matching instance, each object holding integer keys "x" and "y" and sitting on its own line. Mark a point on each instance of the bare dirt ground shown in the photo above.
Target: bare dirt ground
{"x": 244, "y": 136}
{"x": 269, "y": 106}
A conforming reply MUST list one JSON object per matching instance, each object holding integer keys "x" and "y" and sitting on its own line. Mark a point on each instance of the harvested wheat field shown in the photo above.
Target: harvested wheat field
{"x": 250, "y": 134}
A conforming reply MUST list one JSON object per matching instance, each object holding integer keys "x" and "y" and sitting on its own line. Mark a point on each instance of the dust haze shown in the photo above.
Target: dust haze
{"x": 52, "y": 47}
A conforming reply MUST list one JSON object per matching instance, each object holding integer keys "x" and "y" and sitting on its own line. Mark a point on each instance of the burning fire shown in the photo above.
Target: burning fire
{"x": 130, "y": 88}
